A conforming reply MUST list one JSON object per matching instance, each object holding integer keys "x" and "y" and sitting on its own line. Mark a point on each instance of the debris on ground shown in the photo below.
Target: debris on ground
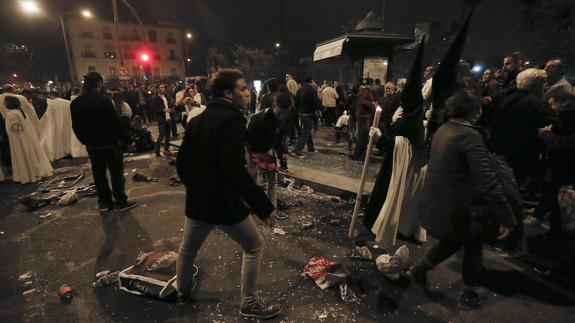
{"x": 324, "y": 272}
{"x": 279, "y": 231}
{"x": 392, "y": 266}
{"x": 361, "y": 253}
{"x": 68, "y": 199}
{"x": 174, "y": 181}
{"x": 66, "y": 293}
{"x": 346, "y": 293}
{"x": 305, "y": 225}
{"x": 105, "y": 278}
{"x": 142, "y": 178}
{"x": 25, "y": 276}
{"x": 29, "y": 291}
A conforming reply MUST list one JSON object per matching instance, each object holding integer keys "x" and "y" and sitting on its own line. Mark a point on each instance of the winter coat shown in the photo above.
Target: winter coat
{"x": 96, "y": 123}
{"x": 460, "y": 169}
{"x": 265, "y": 132}
{"x": 513, "y": 128}
{"x": 561, "y": 148}
{"x": 212, "y": 164}
{"x": 307, "y": 101}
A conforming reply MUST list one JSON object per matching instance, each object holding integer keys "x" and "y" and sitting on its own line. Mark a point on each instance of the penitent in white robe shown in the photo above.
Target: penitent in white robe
{"x": 58, "y": 139}
{"x": 29, "y": 161}
{"x": 399, "y": 212}
{"x": 28, "y": 109}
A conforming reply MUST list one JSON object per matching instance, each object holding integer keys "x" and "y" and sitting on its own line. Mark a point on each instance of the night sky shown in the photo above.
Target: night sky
{"x": 256, "y": 23}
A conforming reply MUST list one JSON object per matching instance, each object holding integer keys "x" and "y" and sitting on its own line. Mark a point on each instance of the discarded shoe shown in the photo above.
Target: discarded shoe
{"x": 141, "y": 178}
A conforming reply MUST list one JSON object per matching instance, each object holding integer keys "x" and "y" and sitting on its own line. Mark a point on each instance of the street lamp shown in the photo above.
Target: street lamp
{"x": 87, "y": 13}
{"x": 278, "y": 45}
{"x": 189, "y": 35}
{"x": 32, "y": 7}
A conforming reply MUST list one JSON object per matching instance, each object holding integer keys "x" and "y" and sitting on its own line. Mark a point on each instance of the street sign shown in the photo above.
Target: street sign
{"x": 123, "y": 73}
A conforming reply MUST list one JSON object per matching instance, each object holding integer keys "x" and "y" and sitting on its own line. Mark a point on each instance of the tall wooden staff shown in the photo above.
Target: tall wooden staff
{"x": 363, "y": 175}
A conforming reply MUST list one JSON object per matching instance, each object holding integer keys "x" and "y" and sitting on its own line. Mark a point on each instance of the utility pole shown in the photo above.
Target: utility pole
{"x": 117, "y": 25}
{"x": 383, "y": 11}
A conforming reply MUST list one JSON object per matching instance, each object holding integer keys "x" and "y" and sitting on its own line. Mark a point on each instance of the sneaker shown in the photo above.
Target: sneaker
{"x": 470, "y": 300}
{"x": 260, "y": 310}
{"x": 125, "y": 206}
{"x": 284, "y": 168}
{"x": 312, "y": 152}
{"x": 105, "y": 207}
{"x": 297, "y": 155}
{"x": 531, "y": 221}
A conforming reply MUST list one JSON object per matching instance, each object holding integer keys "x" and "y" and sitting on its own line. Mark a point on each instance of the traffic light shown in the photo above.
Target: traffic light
{"x": 15, "y": 75}
{"x": 145, "y": 57}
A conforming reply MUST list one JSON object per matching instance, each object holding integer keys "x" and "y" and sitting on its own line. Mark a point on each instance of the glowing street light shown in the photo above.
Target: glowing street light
{"x": 189, "y": 60}
{"x": 145, "y": 57}
{"x": 189, "y": 35}
{"x": 87, "y": 13}
{"x": 278, "y": 45}
{"x": 15, "y": 75}
{"x": 29, "y": 6}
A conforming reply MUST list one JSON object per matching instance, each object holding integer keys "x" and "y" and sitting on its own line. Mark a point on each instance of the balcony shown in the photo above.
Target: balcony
{"x": 131, "y": 37}
{"x": 88, "y": 54}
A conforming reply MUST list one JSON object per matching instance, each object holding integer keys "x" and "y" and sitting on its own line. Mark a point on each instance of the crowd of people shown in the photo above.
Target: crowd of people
{"x": 438, "y": 155}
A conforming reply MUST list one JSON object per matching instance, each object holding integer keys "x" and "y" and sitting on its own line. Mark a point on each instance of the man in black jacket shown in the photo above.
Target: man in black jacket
{"x": 266, "y": 140}
{"x": 161, "y": 108}
{"x": 219, "y": 190}
{"x": 97, "y": 126}
{"x": 307, "y": 102}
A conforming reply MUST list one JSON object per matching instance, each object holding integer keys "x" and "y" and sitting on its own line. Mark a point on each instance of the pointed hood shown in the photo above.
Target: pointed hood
{"x": 411, "y": 98}
{"x": 445, "y": 78}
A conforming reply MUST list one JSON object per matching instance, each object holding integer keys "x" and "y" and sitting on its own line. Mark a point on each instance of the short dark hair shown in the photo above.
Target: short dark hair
{"x": 54, "y": 93}
{"x": 273, "y": 85}
{"x": 463, "y": 104}
{"x": 283, "y": 101}
{"x": 378, "y": 81}
{"x": 12, "y": 102}
{"x": 562, "y": 96}
{"x": 308, "y": 79}
{"x": 91, "y": 82}
{"x": 225, "y": 80}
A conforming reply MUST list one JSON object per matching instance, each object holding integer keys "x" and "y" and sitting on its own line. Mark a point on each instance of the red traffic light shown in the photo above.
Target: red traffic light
{"x": 15, "y": 75}
{"x": 145, "y": 57}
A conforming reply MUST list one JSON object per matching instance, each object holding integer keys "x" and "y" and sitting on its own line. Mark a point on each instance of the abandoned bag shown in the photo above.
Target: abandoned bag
{"x": 154, "y": 275}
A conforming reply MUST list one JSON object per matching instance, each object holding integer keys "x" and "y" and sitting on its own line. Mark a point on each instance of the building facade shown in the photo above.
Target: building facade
{"x": 95, "y": 47}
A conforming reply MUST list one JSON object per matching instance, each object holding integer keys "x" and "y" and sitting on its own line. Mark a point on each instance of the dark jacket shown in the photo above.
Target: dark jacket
{"x": 268, "y": 100}
{"x": 513, "y": 128}
{"x": 158, "y": 106}
{"x": 460, "y": 167}
{"x": 212, "y": 164}
{"x": 95, "y": 122}
{"x": 307, "y": 101}
{"x": 561, "y": 148}
{"x": 265, "y": 132}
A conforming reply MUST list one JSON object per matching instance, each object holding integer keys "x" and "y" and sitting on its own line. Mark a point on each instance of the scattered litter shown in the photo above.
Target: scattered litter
{"x": 347, "y": 295}
{"x": 25, "y": 276}
{"x": 332, "y": 198}
{"x": 392, "y": 266}
{"x": 29, "y": 291}
{"x": 141, "y": 178}
{"x": 307, "y": 189}
{"x": 361, "y": 253}
{"x": 46, "y": 215}
{"x": 66, "y": 293}
{"x": 134, "y": 170}
{"x": 182, "y": 230}
{"x": 335, "y": 222}
{"x": 68, "y": 199}
{"x": 46, "y": 196}
{"x": 322, "y": 316}
{"x": 324, "y": 272}
{"x": 385, "y": 303}
{"x": 279, "y": 231}
{"x": 175, "y": 181}
{"x": 2, "y": 233}
{"x": 106, "y": 279}
{"x": 305, "y": 225}
{"x": 103, "y": 273}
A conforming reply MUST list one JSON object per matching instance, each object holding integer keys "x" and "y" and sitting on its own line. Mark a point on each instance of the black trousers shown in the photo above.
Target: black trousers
{"x": 173, "y": 127}
{"x": 306, "y": 137}
{"x": 363, "y": 125}
{"x": 472, "y": 259}
{"x": 164, "y": 129}
{"x": 108, "y": 159}
{"x": 330, "y": 116}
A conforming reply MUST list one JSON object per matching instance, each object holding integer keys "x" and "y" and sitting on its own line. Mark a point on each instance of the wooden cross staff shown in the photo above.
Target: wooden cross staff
{"x": 363, "y": 175}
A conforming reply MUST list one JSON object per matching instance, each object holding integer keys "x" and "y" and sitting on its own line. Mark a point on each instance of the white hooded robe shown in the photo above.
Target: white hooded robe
{"x": 28, "y": 109}
{"x": 29, "y": 161}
